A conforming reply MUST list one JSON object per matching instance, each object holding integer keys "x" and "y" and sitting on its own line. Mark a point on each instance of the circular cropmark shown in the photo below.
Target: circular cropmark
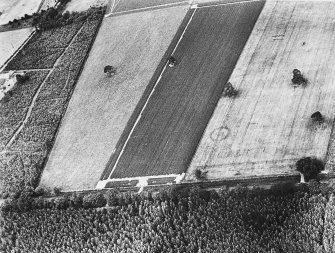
{"x": 219, "y": 133}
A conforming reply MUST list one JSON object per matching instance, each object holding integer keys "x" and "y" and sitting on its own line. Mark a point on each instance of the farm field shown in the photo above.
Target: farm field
{"x": 12, "y": 9}
{"x": 171, "y": 124}
{"x": 267, "y": 127}
{"x": 101, "y": 106}
{"x": 129, "y": 5}
{"x": 11, "y": 41}
{"x": 82, "y": 5}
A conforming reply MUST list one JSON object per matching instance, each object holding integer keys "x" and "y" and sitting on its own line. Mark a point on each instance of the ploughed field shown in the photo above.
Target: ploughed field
{"x": 101, "y": 106}
{"x": 267, "y": 127}
{"x": 171, "y": 123}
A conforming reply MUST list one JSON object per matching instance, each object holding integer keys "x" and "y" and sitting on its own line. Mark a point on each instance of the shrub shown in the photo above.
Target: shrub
{"x": 56, "y": 191}
{"x": 229, "y": 90}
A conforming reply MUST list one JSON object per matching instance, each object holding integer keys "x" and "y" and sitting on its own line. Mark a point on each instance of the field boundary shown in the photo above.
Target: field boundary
{"x": 132, "y": 120}
{"x": 217, "y": 3}
{"x": 157, "y": 7}
{"x": 17, "y": 51}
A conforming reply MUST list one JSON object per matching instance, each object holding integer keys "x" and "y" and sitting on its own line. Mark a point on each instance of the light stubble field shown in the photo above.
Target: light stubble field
{"x": 100, "y": 106}
{"x": 267, "y": 128}
{"x": 171, "y": 124}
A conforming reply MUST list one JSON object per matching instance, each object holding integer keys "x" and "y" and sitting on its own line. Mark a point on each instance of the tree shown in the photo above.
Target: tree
{"x": 298, "y": 78}
{"x": 200, "y": 174}
{"x": 317, "y": 117}
{"x": 309, "y": 168}
{"x": 109, "y": 70}
{"x": 229, "y": 90}
{"x": 22, "y": 78}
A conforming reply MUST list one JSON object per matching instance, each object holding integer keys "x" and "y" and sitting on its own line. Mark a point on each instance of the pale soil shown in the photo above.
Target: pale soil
{"x": 101, "y": 106}
{"x": 82, "y": 5}
{"x": 12, "y": 9}
{"x": 11, "y": 41}
{"x": 267, "y": 128}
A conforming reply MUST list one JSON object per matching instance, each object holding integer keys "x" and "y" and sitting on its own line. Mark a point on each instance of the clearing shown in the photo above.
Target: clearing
{"x": 11, "y": 41}
{"x": 171, "y": 124}
{"x": 101, "y": 106}
{"x": 11, "y": 9}
{"x": 267, "y": 128}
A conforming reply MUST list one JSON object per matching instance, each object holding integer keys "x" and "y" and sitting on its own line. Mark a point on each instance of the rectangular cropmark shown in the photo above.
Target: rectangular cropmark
{"x": 267, "y": 127}
{"x": 171, "y": 123}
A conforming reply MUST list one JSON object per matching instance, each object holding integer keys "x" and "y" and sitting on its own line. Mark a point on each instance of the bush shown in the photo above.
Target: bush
{"x": 40, "y": 191}
{"x": 229, "y": 90}
{"x": 56, "y": 191}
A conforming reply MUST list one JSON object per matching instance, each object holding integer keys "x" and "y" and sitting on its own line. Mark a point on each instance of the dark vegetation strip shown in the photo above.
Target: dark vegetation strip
{"x": 138, "y": 108}
{"x": 282, "y": 219}
{"x": 176, "y": 115}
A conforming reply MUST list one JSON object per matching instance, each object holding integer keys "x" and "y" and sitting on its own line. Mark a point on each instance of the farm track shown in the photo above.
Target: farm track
{"x": 171, "y": 125}
{"x": 26, "y": 118}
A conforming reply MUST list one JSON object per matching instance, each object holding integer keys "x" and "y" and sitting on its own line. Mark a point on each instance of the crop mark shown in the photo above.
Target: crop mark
{"x": 220, "y": 133}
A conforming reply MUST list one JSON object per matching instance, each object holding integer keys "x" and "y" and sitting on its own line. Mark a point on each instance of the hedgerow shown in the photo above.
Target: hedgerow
{"x": 198, "y": 221}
